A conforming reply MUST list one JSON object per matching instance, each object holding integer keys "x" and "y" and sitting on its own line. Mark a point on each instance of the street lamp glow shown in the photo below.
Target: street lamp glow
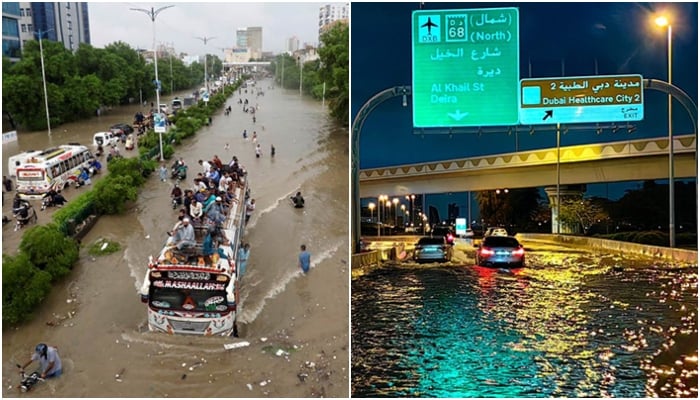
{"x": 661, "y": 20}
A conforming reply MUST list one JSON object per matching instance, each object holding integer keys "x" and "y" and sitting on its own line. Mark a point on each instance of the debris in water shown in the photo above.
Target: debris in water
{"x": 310, "y": 364}
{"x": 183, "y": 377}
{"x": 230, "y": 346}
{"x": 184, "y": 365}
{"x": 263, "y": 383}
{"x": 249, "y": 386}
{"x": 195, "y": 365}
{"x": 302, "y": 377}
{"x": 263, "y": 339}
{"x": 104, "y": 246}
{"x": 118, "y": 376}
{"x": 281, "y": 353}
{"x": 69, "y": 301}
{"x": 148, "y": 236}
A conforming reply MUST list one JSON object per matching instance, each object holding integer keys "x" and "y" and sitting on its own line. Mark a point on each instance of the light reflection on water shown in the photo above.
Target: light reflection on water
{"x": 585, "y": 328}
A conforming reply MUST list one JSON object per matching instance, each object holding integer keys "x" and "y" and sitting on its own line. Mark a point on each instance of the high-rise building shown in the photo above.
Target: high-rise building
{"x": 11, "y": 44}
{"x": 292, "y": 44}
{"x": 330, "y": 13}
{"x": 242, "y": 38}
{"x": 255, "y": 41}
{"x": 67, "y": 23}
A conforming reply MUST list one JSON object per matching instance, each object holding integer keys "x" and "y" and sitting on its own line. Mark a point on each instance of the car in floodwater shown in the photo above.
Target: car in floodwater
{"x": 495, "y": 251}
{"x": 444, "y": 231}
{"x": 496, "y": 231}
{"x": 432, "y": 249}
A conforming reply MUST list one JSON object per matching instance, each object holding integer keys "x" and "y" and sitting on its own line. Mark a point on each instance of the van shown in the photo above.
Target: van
{"x": 105, "y": 139}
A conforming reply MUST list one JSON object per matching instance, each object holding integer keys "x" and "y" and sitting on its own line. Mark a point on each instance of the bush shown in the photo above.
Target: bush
{"x": 24, "y": 286}
{"x": 112, "y": 193}
{"x": 77, "y": 209}
{"x": 50, "y": 250}
{"x": 132, "y": 167}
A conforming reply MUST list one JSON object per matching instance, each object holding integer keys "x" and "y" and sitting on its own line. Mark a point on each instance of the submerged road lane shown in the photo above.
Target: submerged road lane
{"x": 570, "y": 324}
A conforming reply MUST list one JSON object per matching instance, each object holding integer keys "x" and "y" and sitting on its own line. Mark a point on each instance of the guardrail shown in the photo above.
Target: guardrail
{"x": 366, "y": 259}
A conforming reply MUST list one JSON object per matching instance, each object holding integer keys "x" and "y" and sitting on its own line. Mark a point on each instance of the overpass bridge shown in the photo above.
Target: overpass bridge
{"x": 628, "y": 160}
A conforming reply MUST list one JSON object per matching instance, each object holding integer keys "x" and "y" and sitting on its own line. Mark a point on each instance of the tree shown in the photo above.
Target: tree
{"x": 334, "y": 53}
{"x": 514, "y": 208}
{"x": 579, "y": 213}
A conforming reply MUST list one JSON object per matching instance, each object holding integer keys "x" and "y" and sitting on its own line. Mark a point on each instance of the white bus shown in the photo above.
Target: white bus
{"x": 55, "y": 168}
{"x": 19, "y": 159}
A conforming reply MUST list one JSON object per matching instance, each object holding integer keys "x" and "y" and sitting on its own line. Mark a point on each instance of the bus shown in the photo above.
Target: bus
{"x": 15, "y": 161}
{"x": 190, "y": 292}
{"x": 53, "y": 168}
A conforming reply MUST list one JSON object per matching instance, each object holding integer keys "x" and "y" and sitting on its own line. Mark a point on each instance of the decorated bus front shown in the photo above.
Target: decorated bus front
{"x": 190, "y": 301}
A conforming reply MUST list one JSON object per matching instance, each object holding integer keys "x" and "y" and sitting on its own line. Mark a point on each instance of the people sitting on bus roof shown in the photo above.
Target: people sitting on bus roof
{"x": 184, "y": 236}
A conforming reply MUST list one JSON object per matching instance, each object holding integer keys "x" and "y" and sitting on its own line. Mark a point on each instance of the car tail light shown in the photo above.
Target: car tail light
{"x": 485, "y": 251}
{"x": 519, "y": 252}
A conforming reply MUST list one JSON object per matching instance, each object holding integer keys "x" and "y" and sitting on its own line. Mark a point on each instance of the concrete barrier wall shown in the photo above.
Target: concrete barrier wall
{"x": 366, "y": 259}
{"x": 614, "y": 246}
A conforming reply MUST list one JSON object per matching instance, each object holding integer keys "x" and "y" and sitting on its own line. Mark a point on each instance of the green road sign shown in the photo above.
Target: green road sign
{"x": 609, "y": 98}
{"x": 466, "y": 67}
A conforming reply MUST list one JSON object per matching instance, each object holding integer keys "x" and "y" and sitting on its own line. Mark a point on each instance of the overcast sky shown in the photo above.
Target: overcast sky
{"x": 181, "y": 24}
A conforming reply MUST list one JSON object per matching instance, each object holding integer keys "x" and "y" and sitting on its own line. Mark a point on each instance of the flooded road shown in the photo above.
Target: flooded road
{"x": 570, "y": 324}
{"x": 306, "y": 317}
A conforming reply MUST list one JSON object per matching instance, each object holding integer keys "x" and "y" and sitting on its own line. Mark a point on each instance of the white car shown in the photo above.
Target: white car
{"x": 105, "y": 139}
{"x": 496, "y": 231}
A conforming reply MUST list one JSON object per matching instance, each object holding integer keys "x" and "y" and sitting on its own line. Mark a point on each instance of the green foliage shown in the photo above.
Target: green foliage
{"x": 335, "y": 63}
{"x": 76, "y": 209}
{"x": 24, "y": 286}
{"x": 168, "y": 151}
{"x": 79, "y": 83}
{"x": 131, "y": 167}
{"x": 103, "y": 246}
{"x": 49, "y": 249}
{"x": 112, "y": 193}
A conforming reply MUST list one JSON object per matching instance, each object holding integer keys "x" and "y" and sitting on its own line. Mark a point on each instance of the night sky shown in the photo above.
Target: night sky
{"x": 620, "y": 37}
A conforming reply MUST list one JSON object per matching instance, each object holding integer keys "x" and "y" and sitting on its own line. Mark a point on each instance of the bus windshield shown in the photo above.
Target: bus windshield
{"x": 32, "y": 175}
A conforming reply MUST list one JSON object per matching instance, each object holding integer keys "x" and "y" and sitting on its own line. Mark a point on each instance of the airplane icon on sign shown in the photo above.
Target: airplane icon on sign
{"x": 430, "y": 24}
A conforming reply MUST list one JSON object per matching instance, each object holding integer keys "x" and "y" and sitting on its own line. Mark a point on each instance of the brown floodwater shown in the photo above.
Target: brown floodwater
{"x": 95, "y": 316}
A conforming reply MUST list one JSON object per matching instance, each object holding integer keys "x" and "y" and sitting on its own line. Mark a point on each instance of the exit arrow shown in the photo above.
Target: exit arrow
{"x": 457, "y": 115}
{"x": 547, "y": 114}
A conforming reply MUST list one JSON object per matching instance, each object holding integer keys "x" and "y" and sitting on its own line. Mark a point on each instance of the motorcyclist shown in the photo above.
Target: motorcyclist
{"x": 18, "y": 204}
{"x": 176, "y": 195}
{"x": 51, "y": 365}
{"x": 47, "y": 200}
{"x": 298, "y": 200}
{"x": 95, "y": 166}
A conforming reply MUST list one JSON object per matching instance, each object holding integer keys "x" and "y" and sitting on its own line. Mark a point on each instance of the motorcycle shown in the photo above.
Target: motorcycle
{"x": 28, "y": 381}
{"x": 179, "y": 172}
{"x": 24, "y": 215}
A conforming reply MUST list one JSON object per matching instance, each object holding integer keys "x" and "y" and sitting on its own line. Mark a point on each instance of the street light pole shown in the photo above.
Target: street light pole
{"x": 663, "y": 21}
{"x": 301, "y": 74}
{"x": 43, "y": 78}
{"x": 152, "y": 14}
{"x": 206, "y": 76}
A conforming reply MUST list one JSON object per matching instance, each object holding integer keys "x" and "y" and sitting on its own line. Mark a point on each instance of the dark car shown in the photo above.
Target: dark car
{"x": 126, "y": 128}
{"x": 500, "y": 250}
{"x": 432, "y": 249}
{"x": 444, "y": 231}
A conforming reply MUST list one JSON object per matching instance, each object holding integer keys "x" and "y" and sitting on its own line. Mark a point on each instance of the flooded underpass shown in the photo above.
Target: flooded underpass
{"x": 571, "y": 323}
{"x": 296, "y": 326}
